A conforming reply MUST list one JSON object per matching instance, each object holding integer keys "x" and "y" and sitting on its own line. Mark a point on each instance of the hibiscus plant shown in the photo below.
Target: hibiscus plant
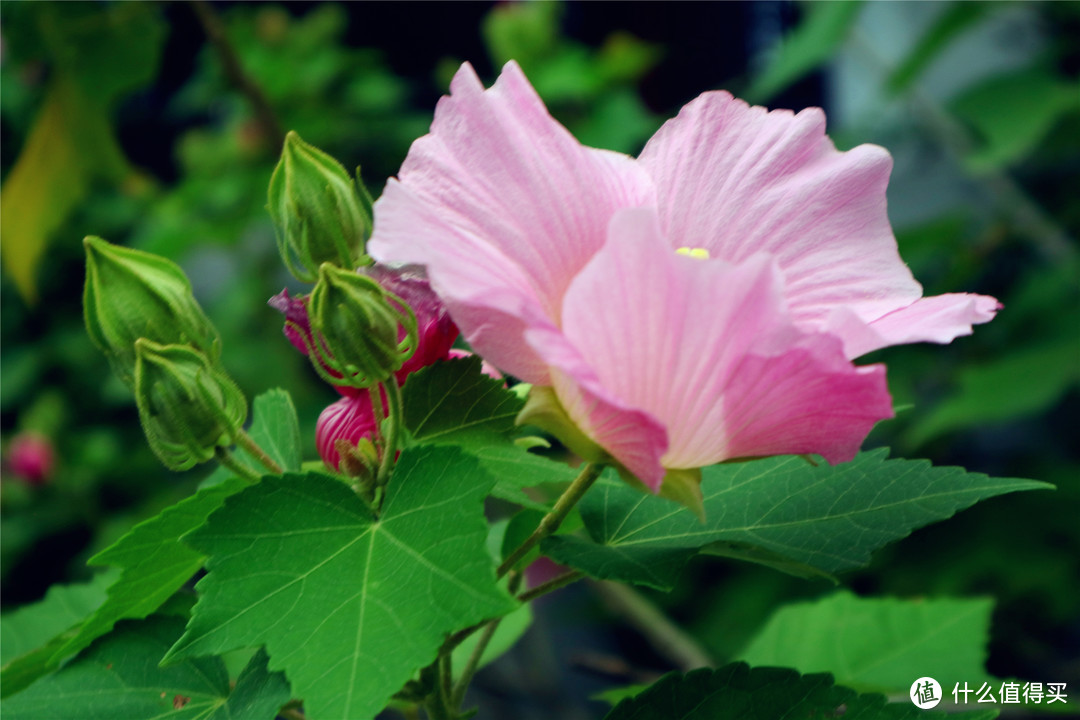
{"x": 556, "y": 364}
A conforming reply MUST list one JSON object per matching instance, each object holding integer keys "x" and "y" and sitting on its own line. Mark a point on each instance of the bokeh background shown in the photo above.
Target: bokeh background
{"x": 157, "y": 125}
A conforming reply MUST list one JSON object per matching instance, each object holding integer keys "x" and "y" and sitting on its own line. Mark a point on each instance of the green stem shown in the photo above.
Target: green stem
{"x": 551, "y": 522}
{"x": 377, "y": 410}
{"x": 471, "y": 665}
{"x": 667, "y": 638}
{"x": 228, "y": 460}
{"x": 550, "y": 586}
{"x": 394, "y": 405}
{"x": 244, "y": 441}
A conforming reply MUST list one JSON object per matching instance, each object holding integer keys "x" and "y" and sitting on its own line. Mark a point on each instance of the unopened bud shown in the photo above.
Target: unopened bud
{"x": 321, "y": 213}
{"x": 344, "y": 433}
{"x": 360, "y": 332}
{"x": 188, "y": 407}
{"x": 131, "y": 294}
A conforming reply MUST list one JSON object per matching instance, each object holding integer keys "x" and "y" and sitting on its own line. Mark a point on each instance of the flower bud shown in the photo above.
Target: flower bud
{"x": 435, "y": 330}
{"x": 131, "y": 294}
{"x": 341, "y": 431}
{"x": 188, "y": 407}
{"x": 320, "y": 214}
{"x": 31, "y": 457}
{"x": 360, "y": 333}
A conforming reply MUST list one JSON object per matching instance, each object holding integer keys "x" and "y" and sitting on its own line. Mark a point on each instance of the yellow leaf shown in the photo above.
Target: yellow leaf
{"x": 69, "y": 145}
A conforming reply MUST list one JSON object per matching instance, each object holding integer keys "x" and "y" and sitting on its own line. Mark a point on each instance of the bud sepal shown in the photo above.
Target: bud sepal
{"x": 131, "y": 294}
{"x": 360, "y": 334}
{"x": 320, "y": 212}
{"x": 188, "y": 407}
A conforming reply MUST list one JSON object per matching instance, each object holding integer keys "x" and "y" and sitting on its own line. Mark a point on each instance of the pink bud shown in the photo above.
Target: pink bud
{"x": 350, "y": 419}
{"x": 435, "y": 329}
{"x": 31, "y": 457}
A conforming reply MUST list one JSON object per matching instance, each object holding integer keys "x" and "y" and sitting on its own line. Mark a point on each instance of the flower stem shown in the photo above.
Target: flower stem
{"x": 667, "y": 638}
{"x": 471, "y": 665}
{"x": 551, "y": 522}
{"x": 244, "y": 441}
{"x": 228, "y": 460}
{"x": 551, "y": 585}
{"x": 394, "y": 405}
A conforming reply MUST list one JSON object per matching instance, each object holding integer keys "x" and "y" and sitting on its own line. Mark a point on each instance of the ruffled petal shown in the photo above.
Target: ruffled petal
{"x": 739, "y": 180}
{"x": 708, "y": 349}
{"x": 938, "y": 319}
{"x": 504, "y": 207}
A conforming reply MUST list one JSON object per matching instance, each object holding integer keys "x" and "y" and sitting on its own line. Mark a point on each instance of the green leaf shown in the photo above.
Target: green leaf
{"x": 350, "y": 606}
{"x": 30, "y": 627}
{"x": 97, "y": 54}
{"x": 1022, "y": 382}
{"x": 30, "y": 637}
{"x": 119, "y": 677}
{"x": 155, "y": 563}
{"x": 453, "y": 402}
{"x": 516, "y": 468}
{"x": 738, "y": 691}
{"x": 1014, "y": 112}
{"x": 781, "y": 511}
{"x": 879, "y": 644}
{"x": 276, "y": 429}
{"x": 812, "y": 43}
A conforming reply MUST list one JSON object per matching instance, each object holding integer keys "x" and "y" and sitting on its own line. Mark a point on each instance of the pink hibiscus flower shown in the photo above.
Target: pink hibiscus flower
{"x": 559, "y": 264}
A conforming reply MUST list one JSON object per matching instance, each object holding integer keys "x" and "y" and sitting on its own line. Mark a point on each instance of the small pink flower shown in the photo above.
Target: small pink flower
{"x": 558, "y": 262}
{"x": 31, "y": 457}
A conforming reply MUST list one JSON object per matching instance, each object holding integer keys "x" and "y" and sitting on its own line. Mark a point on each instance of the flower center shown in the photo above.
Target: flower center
{"x": 699, "y": 253}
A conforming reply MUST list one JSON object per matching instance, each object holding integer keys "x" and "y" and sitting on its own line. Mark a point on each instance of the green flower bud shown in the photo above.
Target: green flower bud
{"x": 320, "y": 214}
{"x": 131, "y": 294}
{"x": 188, "y": 407}
{"x": 360, "y": 332}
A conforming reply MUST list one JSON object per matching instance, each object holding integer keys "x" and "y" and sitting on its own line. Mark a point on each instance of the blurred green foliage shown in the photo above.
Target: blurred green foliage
{"x": 1004, "y": 401}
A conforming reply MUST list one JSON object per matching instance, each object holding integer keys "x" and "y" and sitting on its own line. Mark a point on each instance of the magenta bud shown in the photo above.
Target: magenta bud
{"x": 32, "y": 457}
{"x": 350, "y": 419}
{"x": 435, "y": 330}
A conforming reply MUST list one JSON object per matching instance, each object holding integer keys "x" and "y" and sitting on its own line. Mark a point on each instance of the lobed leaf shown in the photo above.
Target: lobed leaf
{"x": 350, "y": 605}
{"x": 782, "y": 512}
{"x": 155, "y": 563}
{"x": 454, "y": 403}
{"x": 119, "y": 677}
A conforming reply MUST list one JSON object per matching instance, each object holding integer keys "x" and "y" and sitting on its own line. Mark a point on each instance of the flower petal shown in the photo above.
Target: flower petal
{"x": 939, "y": 319}
{"x": 504, "y": 207}
{"x": 708, "y": 349}
{"x": 739, "y": 180}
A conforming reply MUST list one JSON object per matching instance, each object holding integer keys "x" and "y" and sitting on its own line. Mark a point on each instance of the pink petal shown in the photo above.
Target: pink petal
{"x": 939, "y": 319}
{"x": 717, "y": 360}
{"x": 738, "y": 180}
{"x": 504, "y": 207}
{"x": 634, "y": 438}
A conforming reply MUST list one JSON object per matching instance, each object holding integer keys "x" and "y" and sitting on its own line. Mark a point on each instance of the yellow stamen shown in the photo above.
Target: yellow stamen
{"x": 699, "y": 253}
